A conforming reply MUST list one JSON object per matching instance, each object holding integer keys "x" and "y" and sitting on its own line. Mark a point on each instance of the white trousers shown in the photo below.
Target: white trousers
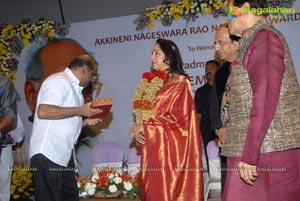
{"x": 6, "y": 163}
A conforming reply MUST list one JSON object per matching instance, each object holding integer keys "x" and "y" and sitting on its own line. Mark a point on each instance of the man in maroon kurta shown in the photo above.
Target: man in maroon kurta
{"x": 263, "y": 133}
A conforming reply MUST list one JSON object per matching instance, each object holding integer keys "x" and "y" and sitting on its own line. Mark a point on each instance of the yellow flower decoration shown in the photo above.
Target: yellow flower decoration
{"x": 25, "y": 41}
{"x": 190, "y": 10}
{"x": 173, "y": 5}
{"x": 151, "y": 24}
{"x": 203, "y": 11}
{"x": 180, "y": 10}
{"x": 152, "y": 17}
{"x": 21, "y": 183}
{"x": 209, "y": 10}
{"x": 158, "y": 11}
{"x": 186, "y": 9}
{"x": 51, "y": 34}
{"x": 187, "y": 4}
{"x": 215, "y": 5}
{"x": 13, "y": 39}
{"x": 177, "y": 17}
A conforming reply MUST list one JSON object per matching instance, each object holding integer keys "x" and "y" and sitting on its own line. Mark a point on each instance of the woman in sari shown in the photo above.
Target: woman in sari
{"x": 166, "y": 128}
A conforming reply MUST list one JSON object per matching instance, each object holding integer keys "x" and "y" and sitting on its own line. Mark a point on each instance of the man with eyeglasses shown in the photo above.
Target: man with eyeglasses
{"x": 52, "y": 57}
{"x": 56, "y": 127}
{"x": 263, "y": 131}
{"x": 226, "y": 49}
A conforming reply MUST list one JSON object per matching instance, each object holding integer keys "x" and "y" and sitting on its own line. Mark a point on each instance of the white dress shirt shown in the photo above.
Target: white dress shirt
{"x": 55, "y": 138}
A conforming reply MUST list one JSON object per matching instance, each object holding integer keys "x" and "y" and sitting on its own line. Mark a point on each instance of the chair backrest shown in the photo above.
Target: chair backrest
{"x": 213, "y": 149}
{"x": 214, "y": 162}
{"x": 133, "y": 155}
{"x": 133, "y": 160}
{"x": 108, "y": 151}
{"x": 204, "y": 161}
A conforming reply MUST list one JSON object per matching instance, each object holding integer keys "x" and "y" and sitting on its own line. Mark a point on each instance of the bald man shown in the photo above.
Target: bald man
{"x": 56, "y": 127}
{"x": 51, "y": 58}
{"x": 226, "y": 47}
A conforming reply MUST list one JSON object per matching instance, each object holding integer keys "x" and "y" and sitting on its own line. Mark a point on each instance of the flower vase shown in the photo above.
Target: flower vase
{"x": 100, "y": 194}
{"x": 115, "y": 195}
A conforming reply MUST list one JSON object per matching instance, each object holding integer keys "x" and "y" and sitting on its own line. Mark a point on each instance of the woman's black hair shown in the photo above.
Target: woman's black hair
{"x": 173, "y": 56}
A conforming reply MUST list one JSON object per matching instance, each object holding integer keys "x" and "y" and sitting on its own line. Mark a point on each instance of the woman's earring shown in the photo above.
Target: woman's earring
{"x": 167, "y": 61}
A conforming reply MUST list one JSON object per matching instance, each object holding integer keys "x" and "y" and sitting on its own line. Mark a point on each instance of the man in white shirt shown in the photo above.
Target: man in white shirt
{"x": 56, "y": 127}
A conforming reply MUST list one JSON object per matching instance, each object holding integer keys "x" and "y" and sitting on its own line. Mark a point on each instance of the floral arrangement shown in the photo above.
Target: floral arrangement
{"x": 190, "y": 11}
{"x": 14, "y": 38}
{"x": 145, "y": 93}
{"x": 110, "y": 183}
{"x": 186, "y": 9}
{"x": 22, "y": 188}
{"x": 280, "y": 3}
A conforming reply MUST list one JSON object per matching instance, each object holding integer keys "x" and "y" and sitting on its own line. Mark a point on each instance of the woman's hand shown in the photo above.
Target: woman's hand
{"x": 137, "y": 131}
{"x": 140, "y": 137}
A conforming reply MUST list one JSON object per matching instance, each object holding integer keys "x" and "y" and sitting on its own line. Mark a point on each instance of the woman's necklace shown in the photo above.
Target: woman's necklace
{"x": 145, "y": 93}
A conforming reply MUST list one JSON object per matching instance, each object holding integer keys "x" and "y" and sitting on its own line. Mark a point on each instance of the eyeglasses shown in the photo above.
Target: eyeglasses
{"x": 220, "y": 42}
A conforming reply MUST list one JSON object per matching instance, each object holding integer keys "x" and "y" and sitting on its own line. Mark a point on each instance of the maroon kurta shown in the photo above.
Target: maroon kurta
{"x": 278, "y": 171}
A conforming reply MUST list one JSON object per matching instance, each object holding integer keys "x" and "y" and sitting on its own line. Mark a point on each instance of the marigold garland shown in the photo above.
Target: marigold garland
{"x": 145, "y": 92}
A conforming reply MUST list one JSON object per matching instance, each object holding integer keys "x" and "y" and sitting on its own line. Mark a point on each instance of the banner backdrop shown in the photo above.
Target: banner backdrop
{"x": 124, "y": 54}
